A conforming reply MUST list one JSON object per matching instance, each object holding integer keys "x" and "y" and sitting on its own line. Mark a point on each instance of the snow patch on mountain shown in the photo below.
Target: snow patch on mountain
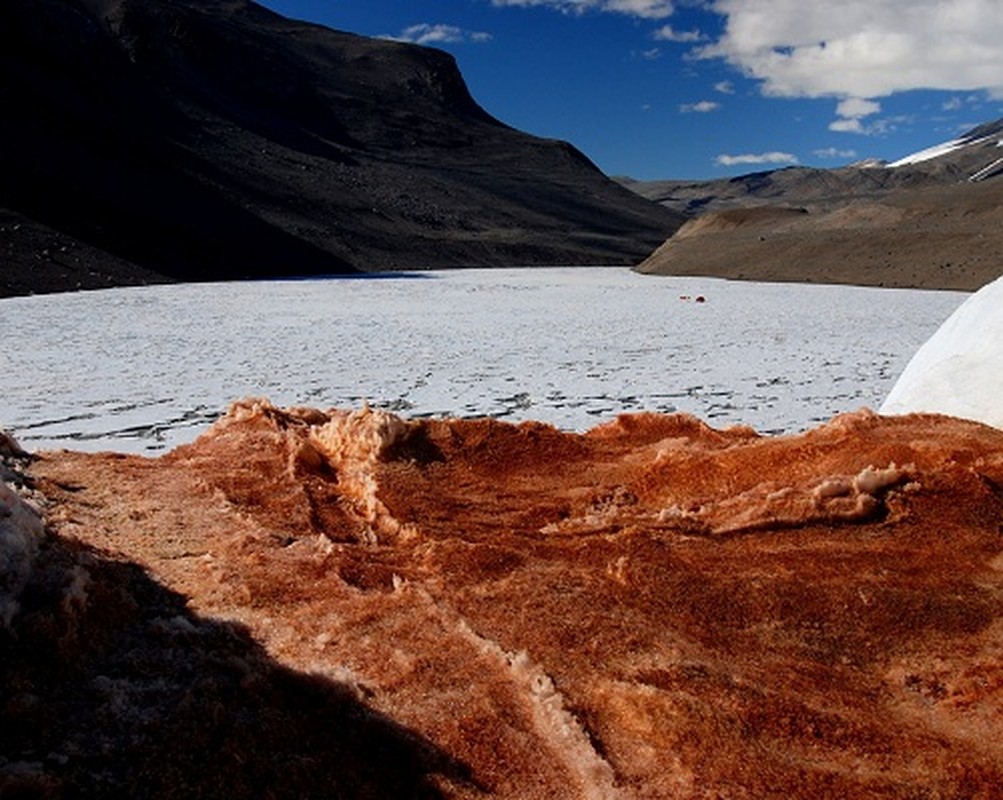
{"x": 977, "y": 135}
{"x": 938, "y": 150}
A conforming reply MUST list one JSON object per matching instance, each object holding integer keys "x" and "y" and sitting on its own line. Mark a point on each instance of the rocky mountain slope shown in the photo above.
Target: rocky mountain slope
{"x": 171, "y": 139}
{"x": 930, "y": 220}
{"x": 307, "y": 604}
{"x": 943, "y": 165}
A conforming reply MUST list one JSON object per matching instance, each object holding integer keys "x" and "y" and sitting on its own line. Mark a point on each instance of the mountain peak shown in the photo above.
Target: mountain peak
{"x": 219, "y": 140}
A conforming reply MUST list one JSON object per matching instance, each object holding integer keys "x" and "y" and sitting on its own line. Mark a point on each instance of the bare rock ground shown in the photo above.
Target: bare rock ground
{"x": 938, "y": 237}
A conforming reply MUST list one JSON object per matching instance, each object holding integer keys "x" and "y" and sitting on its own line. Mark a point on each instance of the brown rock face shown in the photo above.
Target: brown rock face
{"x": 653, "y": 609}
{"x": 934, "y": 238}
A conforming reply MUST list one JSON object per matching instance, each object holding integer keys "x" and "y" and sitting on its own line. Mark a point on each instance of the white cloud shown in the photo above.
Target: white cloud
{"x": 724, "y": 87}
{"x": 424, "y": 33}
{"x": 847, "y": 126}
{"x": 851, "y": 111}
{"x": 646, "y": 9}
{"x": 667, "y": 34}
{"x": 703, "y": 107}
{"x": 878, "y": 127}
{"x": 957, "y": 102}
{"x": 756, "y": 158}
{"x": 863, "y": 48}
{"x": 835, "y": 152}
{"x": 889, "y": 124}
{"x": 856, "y": 107}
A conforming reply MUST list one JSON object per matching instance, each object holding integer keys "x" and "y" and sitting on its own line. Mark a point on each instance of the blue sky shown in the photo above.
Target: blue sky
{"x": 710, "y": 88}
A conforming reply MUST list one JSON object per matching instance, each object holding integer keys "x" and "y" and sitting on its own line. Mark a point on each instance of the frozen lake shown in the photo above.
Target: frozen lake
{"x": 144, "y": 369}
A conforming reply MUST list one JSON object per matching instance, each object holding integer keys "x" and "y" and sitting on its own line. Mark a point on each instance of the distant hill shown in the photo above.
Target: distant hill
{"x": 931, "y": 219}
{"x": 948, "y": 163}
{"x": 145, "y": 140}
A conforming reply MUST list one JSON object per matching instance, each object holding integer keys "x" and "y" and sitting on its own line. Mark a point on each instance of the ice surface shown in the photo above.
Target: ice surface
{"x": 959, "y": 371}
{"x": 143, "y": 369}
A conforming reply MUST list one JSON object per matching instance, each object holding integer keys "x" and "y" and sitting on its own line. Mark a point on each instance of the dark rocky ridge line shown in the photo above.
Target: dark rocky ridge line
{"x": 173, "y": 140}
{"x": 814, "y": 187}
{"x": 928, "y": 224}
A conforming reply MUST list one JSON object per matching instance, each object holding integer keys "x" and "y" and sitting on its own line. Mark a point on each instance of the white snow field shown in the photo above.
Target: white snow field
{"x": 939, "y": 150}
{"x": 144, "y": 369}
{"x": 936, "y": 151}
{"x": 959, "y": 370}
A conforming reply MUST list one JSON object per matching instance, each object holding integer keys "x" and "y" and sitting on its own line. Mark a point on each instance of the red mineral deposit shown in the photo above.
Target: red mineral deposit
{"x": 308, "y": 603}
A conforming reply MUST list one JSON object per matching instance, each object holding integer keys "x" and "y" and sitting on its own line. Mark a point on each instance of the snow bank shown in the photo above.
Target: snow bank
{"x": 959, "y": 371}
{"x": 21, "y": 530}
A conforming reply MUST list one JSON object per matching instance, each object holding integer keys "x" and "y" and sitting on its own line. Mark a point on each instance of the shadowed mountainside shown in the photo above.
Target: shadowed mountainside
{"x": 169, "y": 139}
{"x": 918, "y": 223}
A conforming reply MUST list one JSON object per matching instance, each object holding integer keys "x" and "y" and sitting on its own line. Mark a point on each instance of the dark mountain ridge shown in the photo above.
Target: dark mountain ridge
{"x": 957, "y": 161}
{"x": 168, "y": 139}
{"x": 929, "y": 220}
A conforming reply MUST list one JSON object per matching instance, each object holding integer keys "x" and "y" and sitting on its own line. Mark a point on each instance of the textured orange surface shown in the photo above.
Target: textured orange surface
{"x": 653, "y": 609}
